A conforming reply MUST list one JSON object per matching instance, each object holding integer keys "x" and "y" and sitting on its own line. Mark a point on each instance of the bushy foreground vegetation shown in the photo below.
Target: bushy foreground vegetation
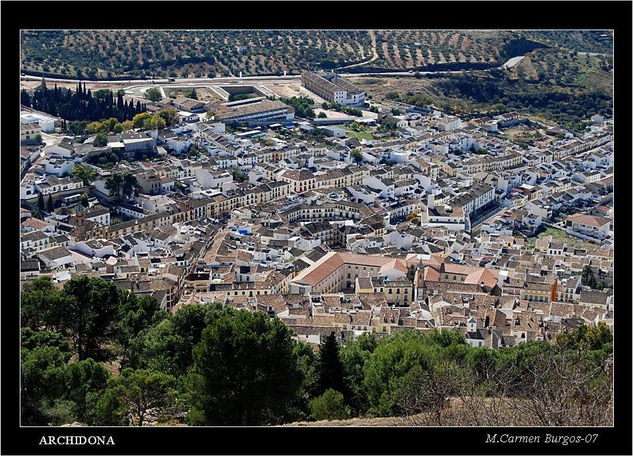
{"x": 216, "y": 365}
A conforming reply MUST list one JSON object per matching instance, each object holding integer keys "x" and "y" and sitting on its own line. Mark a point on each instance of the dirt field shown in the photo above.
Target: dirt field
{"x": 523, "y": 133}
{"x": 378, "y": 87}
{"x": 285, "y": 90}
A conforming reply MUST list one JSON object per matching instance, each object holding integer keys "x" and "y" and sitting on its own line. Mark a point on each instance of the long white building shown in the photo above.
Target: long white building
{"x": 333, "y": 88}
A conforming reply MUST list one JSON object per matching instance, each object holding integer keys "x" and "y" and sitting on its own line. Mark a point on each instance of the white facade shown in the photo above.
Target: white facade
{"x": 47, "y": 124}
{"x": 58, "y": 150}
{"x": 104, "y": 219}
{"x": 58, "y": 167}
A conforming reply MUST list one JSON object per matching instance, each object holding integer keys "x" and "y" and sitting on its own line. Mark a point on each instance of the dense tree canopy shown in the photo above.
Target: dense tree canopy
{"x": 84, "y": 172}
{"x": 40, "y": 383}
{"x": 354, "y": 354}
{"x": 84, "y": 310}
{"x": 153, "y": 94}
{"x": 139, "y": 391}
{"x": 124, "y": 185}
{"x": 302, "y": 106}
{"x": 244, "y": 373}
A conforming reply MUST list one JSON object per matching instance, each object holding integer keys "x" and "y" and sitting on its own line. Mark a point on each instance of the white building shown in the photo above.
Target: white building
{"x": 588, "y": 225}
{"x": 46, "y": 123}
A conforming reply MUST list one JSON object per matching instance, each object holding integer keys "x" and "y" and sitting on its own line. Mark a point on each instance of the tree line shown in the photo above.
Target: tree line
{"x": 217, "y": 365}
{"x": 81, "y": 104}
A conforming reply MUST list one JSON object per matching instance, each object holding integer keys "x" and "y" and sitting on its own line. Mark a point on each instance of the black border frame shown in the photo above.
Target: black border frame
{"x": 287, "y": 15}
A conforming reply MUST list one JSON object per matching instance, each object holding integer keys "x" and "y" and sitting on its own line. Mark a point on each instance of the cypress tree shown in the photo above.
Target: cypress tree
{"x": 25, "y": 98}
{"x": 50, "y": 206}
{"x": 330, "y": 369}
{"x": 40, "y": 202}
{"x": 119, "y": 103}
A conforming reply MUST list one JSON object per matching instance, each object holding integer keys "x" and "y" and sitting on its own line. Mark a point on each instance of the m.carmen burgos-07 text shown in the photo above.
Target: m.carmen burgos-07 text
{"x": 549, "y": 438}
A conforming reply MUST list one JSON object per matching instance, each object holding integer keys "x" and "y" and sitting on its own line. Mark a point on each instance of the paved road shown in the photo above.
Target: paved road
{"x": 166, "y": 81}
{"x": 591, "y": 53}
{"x": 193, "y": 81}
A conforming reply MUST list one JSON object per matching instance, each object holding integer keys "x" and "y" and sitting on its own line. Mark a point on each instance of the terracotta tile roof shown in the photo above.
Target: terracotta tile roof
{"x": 332, "y": 261}
{"x": 488, "y": 276}
{"x": 394, "y": 264}
{"x": 590, "y": 220}
{"x": 36, "y": 224}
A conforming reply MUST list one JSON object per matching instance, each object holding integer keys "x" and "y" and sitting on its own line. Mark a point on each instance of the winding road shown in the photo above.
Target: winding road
{"x": 373, "y": 50}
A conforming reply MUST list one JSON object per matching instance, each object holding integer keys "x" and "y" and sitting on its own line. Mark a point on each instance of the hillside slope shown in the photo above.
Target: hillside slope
{"x": 178, "y": 53}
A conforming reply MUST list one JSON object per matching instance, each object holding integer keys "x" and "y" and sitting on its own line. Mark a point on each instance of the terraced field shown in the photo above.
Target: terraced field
{"x": 420, "y": 49}
{"x": 189, "y": 53}
{"x": 143, "y": 53}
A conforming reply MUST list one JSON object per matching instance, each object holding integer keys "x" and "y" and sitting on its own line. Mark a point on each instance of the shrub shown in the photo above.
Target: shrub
{"x": 329, "y": 406}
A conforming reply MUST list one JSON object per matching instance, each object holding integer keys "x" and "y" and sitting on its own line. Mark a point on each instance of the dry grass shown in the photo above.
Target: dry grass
{"x": 388, "y": 421}
{"x": 466, "y": 412}
{"x": 379, "y": 87}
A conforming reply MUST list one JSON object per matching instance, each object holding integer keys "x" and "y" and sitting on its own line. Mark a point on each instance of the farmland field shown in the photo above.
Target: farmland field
{"x": 201, "y": 53}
